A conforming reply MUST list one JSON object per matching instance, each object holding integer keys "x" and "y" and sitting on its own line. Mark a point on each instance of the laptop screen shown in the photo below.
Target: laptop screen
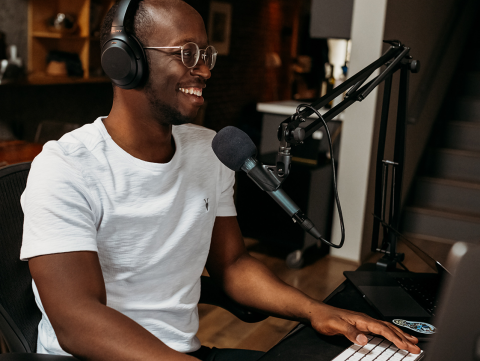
{"x": 458, "y": 336}
{"x": 429, "y": 260}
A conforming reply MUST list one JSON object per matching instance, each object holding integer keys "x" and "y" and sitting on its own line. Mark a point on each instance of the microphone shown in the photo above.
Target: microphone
{"x": 236, "y": 150}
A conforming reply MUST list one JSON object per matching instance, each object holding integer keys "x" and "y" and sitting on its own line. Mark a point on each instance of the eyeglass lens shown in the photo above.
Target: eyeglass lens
{"x": 191, "y": 53}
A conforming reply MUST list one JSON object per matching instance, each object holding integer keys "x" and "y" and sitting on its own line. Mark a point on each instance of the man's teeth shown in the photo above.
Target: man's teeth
{"x": 193, "y": 91}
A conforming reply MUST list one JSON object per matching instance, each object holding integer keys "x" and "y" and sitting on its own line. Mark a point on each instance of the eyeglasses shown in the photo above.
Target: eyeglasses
{"x": 191, "y": 53}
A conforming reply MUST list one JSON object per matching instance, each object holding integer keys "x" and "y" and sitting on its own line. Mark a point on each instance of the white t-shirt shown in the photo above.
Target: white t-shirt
{"x": 150, "y": 223}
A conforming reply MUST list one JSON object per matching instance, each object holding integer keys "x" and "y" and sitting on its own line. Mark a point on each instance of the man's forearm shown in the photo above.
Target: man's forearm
{"x": 250, "y": 283}
{"x": 97, "y": 332}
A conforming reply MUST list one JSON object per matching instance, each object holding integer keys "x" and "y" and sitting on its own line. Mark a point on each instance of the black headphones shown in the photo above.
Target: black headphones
{"x": 123, "y": 57}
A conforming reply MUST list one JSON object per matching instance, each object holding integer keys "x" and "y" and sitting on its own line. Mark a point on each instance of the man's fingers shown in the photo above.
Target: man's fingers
{"x": 361, "y": 339}
{"x": 401, "y": 334}
{"x": 393, "y": 334}
{"x": 379, "y": 328}
{"x": 352, "y": 333}
{"x": 398, "y": 330}
{"x": 412, "y": 338}
{"x": 389, "y": 331}
{"x": 358, "y": 337}
{"x": 410, "y": 341}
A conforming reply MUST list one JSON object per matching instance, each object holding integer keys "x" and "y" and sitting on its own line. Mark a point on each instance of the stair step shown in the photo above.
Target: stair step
{"x": 454, "y": 164}
{"x": 447, "y": 194}
{"x": 467, "y": 108}
{"x": 441, "y": 224}
{"x": 414, "y": 237}
{"x": 462, "y": 135}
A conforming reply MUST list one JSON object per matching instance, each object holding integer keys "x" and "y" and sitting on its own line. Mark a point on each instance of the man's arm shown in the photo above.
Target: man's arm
{"x": 251, "y": 283}
{"x": 72, "y": 291}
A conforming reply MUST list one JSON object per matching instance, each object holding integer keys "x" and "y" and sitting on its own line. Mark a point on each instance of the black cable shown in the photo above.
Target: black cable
{"x": 337, "y": 200}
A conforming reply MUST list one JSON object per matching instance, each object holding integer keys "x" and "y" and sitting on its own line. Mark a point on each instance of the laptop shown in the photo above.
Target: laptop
{"x": 458, "y": 320}
{"x": 408, "y": 300}
{"x": 458, "y": 335}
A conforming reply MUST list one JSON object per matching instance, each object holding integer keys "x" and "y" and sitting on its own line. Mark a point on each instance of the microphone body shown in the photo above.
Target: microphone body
{"x": 265, "y": 178}
{"x": 235, "y": 149}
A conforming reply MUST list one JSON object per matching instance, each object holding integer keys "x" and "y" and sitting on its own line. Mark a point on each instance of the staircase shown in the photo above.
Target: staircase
{"x": 445, "y": 200}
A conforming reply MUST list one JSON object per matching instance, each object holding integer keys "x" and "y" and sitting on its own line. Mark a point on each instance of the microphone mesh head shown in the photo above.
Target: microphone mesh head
{"x": 233, "y": 147}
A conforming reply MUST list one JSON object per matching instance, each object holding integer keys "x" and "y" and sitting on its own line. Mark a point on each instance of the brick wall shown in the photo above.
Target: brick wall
{"x": 242, "y": 78}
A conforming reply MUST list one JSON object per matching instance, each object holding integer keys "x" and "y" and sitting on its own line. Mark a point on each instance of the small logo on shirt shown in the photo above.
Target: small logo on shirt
{"x": 206, "y": 204}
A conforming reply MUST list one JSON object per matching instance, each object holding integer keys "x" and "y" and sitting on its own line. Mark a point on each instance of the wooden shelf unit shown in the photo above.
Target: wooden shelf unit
{"x": 84, "y": 41}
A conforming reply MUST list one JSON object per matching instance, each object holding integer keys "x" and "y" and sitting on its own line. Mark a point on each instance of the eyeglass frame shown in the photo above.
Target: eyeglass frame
{"x": 199, "y": 53}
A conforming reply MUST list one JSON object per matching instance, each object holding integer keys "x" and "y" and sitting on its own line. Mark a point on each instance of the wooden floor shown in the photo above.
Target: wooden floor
{"x": 221, "y": 329}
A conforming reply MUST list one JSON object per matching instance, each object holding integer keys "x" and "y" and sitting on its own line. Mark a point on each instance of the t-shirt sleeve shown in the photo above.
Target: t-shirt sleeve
{"x": 226, "y": 206}
{"x": 58, "y": 210}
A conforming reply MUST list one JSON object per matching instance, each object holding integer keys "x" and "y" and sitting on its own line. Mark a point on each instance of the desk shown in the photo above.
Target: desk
{"x": 304, "y": 343}
{"x": 18, "y": 151}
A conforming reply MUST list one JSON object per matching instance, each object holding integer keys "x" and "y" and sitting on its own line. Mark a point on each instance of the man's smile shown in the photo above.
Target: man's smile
{"x": 192, "y": 90}
{"x": 193, "y": 94}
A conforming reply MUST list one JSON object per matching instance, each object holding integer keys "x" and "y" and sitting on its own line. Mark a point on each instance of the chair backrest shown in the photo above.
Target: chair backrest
{"x": 51, "y": 130}
{"x": 19, "y": 314}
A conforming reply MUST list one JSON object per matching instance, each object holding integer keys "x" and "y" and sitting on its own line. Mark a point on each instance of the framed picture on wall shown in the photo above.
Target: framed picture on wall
{"x": 219, "y": 26}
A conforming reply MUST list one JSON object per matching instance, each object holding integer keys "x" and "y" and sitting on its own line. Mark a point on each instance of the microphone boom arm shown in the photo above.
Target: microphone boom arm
{"x": 290, "y": 133}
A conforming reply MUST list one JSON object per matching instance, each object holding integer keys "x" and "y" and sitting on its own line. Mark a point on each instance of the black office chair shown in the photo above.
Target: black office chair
{"x": 19, "y": 314}
{"x": 50, "y": 130}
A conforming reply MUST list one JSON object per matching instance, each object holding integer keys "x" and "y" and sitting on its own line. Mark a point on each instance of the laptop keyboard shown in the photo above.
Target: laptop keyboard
{"x": 422, "y": 291}
{"x": 377, "y": 349}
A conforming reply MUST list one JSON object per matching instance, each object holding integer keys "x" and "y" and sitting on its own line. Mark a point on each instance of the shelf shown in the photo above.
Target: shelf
{"x": 52, "y": 35}
{"x": 42, "y": 40}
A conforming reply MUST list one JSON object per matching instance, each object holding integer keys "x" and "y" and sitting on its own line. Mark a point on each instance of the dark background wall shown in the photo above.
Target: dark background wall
{"x": 23, "y": 107}
{"x": 239, "y": 80}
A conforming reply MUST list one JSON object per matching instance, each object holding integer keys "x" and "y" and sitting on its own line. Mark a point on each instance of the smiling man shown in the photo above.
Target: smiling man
{"x": 122, "y": 215}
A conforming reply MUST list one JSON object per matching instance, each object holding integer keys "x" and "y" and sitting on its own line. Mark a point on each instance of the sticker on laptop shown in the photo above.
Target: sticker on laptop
{"x": 420, "y": 327}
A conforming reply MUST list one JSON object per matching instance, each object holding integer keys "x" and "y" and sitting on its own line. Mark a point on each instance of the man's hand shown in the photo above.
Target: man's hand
{"x": 330, "y": 321}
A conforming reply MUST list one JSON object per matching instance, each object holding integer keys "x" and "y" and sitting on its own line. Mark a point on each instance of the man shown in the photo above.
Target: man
{"x": 122, "y": 215}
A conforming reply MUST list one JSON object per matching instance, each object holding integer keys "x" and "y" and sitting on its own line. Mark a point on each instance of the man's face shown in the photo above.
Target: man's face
{"x": 170, "y": 81}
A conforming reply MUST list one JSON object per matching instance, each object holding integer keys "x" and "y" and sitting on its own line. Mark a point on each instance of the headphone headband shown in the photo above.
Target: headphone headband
{"x": 119, "y": 19}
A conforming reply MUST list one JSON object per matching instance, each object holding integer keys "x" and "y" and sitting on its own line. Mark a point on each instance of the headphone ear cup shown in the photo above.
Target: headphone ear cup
{"x": 123, "y": 60}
